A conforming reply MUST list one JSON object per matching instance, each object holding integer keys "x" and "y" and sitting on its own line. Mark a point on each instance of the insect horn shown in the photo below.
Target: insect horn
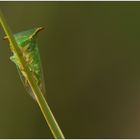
{"x": 5, "y": 38}
{"x": 36, "y": 32}
{"x": 39, "y": 29}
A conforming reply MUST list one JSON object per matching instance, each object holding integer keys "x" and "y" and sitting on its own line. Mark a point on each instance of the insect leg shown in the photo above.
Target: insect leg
{"x": 13, "y": 59}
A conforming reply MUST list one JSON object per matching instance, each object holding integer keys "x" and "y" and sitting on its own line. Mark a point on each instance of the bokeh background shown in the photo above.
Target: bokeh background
{"x": 90, "y": 54}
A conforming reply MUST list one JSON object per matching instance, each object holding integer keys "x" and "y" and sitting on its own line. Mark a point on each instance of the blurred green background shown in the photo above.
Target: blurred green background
{"x": 90, "y": 53}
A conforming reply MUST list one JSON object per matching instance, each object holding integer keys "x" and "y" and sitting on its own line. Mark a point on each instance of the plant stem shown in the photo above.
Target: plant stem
{"x": 53, "y": 125}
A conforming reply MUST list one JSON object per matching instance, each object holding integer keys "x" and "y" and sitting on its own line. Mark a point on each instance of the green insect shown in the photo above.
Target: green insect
{"x": 27, "y": 44}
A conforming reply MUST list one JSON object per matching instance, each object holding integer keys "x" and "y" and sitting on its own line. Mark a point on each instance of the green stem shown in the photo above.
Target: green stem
{"x": 53, "y": 125}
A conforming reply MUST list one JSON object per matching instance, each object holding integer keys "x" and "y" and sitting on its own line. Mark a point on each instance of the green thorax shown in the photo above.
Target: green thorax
{"x": 27, "y": 43}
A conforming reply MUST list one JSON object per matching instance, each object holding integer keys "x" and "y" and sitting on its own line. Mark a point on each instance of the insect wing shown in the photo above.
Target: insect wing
{"x": 26, "y": 84}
